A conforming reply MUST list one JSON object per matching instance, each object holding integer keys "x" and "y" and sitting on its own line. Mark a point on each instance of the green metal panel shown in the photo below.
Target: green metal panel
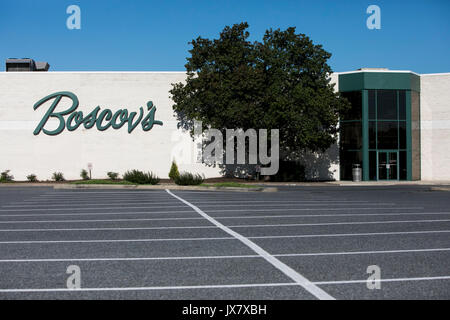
{"x": 351, "y": 82}
{"x": 408, "y": 137}
{"x": 415, "y": 82}
{"x": 379, "y": 80}
{"x": 365, "y": 135}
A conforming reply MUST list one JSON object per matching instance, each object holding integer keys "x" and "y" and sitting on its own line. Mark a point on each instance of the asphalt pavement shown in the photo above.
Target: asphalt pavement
{"x": 298, "y": 243}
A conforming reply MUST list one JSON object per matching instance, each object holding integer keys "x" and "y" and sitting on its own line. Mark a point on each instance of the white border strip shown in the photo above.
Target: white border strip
{"x": 288, "y": 271}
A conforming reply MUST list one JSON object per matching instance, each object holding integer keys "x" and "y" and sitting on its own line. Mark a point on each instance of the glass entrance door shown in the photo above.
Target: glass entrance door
{"x": 387, "y": 165}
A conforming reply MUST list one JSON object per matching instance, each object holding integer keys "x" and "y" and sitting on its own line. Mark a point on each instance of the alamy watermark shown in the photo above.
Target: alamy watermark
{"x": 74, "y": 280}
{"x": 250, "y": 147}
{"x": 374, "y": 20}
{"x": 74, "y": 20}
{"x": 374, "y": 280}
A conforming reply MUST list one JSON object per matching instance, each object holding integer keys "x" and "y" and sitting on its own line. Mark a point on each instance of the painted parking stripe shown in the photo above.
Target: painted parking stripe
{"x": 115, "y": 240}
{"x": 223, "y": 218}
{"x": 229, "y": 286}
{"x": 97, "y": 220}
{"x": 384, "y": 280}
{"x": 77, "y": 203}
{"x": 95, "y": 214}
{"x": 233, "y": 226}
{"x": 210, "y": 211}
{"x": 226, "y": 238}
{"x": 227, "y": 257}
{"x": 225, "y": 286}
{"x": 349, "y": 234}
{"x": 288, "y": 271}
{"x": 78, "y": 207}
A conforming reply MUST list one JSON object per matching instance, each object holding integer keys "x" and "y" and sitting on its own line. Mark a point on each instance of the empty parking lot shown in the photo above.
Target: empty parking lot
{"x": 298, "y": 243}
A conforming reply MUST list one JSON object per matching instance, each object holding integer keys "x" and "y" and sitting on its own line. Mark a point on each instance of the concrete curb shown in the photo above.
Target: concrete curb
{"x": 440, "y": 188}
{"x": 162, "y": 187}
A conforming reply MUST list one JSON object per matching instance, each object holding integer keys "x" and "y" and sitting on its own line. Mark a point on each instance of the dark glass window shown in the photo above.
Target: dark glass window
{"x": 387, "y": 135}
{"x": 372, "y": 134}
{"x": 351, "y": 135}
{"x": 373, "y": 165}
{"x": 387, "y": 104}
{"x": 402, "y": 164}
{"x": 355, "y": 99}
{"x": 347, "y": 160}
{"x": 372, "y": 109}
{"x": 402, "y": 105}
{"x": 402, "y": 134}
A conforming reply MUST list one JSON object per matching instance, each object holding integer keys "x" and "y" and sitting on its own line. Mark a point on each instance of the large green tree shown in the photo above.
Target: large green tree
{"x": 282, "y": 82}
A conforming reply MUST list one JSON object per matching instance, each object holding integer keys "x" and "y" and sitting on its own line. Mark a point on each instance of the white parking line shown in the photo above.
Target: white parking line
{"x": 78, "y": 207}
{"x": 77, "y": 203}
{"x": 361, "y": 252}
{"x": 349, "y": 234}
{"x": 384, "y": 280}
{"x": 211, "y": 211}
{"x": 229, "y": 286}
{"x": 95, "y": 214}
{"x": 99, "y": 220}
{"x": 225, "y": 286}
{"x": 232, "y": 226}
{"x": 223, "y": 217}
{"x": 114, "y": 240}
{"x": 226, "y": 257}
{"x": 288, "y": 271}
{"x": 225, "y": 238}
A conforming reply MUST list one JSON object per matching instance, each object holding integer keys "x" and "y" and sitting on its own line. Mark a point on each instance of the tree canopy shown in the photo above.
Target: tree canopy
{"x": 281, "y": 82}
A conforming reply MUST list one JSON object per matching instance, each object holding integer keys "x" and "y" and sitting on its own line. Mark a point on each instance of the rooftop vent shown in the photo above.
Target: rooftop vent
{"x": 25, "y": 64}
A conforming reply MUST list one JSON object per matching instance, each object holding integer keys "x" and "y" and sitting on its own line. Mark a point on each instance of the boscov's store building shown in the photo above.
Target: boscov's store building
{"x": 398, "y": 127}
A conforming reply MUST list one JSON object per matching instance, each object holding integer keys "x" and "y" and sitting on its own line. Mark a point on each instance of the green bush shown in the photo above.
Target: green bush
{"x": 84, "y": 174}
{"x": 187, "y": 178}
{"x": 58, "y": 176}
{"x": 174, "y": 173}
{"x": 113, "y": 175}
{"x": 32, "y": 178}
{"x": 140, "y": 177}
{"x": 6, "y": 177}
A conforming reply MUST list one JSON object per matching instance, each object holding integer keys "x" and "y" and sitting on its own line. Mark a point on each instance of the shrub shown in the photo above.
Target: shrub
{"x": 58, "y": 176}
{"x": 140, "y": 177}
{"x": 187, "y": 178}
{"x": 174, "y": 173}
{"x": 6, "y": 177}
{"x": 84, "y": 174}
{"x": 32, "y": 178}
{"x": 113, "y": 175}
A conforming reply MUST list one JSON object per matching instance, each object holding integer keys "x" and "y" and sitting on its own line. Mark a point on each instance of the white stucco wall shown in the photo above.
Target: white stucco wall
{"x": 117, "y": 150}
{"x": 69, "y": 152}
{"x": 435, "y": 126}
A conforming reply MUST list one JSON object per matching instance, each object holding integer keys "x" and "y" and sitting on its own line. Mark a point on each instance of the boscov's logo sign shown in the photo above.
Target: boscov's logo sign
{"x": 102, "y": 119}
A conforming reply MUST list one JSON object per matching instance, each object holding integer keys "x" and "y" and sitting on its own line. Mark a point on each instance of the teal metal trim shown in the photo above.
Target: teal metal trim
{"x": 365, "y": 135}
{"x": 408, "y": 137}
{"x": 379, "y": 80}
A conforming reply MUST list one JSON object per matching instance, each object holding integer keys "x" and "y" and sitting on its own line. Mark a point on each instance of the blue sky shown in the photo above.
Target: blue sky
{"x": 147, "y": 35}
